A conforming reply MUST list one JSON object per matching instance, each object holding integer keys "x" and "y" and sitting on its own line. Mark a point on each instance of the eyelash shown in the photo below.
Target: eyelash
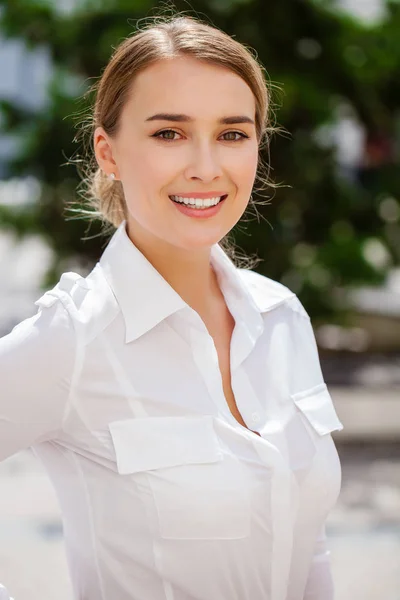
{"x": 159, "y": 134}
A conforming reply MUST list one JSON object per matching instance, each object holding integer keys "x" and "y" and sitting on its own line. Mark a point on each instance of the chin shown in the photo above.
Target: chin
{"x": 197, "y": 242}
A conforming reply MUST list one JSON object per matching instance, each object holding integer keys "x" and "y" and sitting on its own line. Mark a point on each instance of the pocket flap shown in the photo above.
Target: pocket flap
{"x": 316, "y": 404}
{"x": 149, "y": 443}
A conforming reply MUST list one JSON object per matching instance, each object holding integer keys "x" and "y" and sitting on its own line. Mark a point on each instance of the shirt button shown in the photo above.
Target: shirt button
{"x": 255, "y": 417}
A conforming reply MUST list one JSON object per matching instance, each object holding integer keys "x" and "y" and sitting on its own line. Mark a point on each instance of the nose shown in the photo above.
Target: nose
{"x": 204, "y": 163}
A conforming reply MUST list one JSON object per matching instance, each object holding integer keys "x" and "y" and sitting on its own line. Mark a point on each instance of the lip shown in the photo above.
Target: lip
{"x": 201, "y": 195}
{"x": 197, "y": 213}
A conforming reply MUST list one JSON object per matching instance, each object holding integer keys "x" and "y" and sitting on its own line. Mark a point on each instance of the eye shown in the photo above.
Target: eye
{"x": 166, "y": 134}
{"x": 241, "y": 135}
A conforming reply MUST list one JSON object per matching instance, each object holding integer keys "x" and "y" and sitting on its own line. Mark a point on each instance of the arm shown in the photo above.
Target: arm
{"x": 320, "y": 583}
{"x": 36, "y": 364}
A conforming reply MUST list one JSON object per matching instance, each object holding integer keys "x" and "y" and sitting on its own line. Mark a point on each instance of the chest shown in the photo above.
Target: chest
{"x": 221, "y": 332}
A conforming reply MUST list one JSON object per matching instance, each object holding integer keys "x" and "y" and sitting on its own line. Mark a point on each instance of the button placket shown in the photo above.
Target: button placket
{"x": 284, "y": 507}
{"x": 206, "y": 358}
{"x": 246, "y": 399}
{"x": 242, "y": 344}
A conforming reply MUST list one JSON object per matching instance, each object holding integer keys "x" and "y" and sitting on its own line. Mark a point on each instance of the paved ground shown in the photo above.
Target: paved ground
{"x": 363, "y": 529}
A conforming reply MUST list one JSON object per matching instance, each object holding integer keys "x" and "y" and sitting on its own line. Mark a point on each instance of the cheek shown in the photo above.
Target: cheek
{"x": 150, "y": 169}
{"x": 244, "y": 167}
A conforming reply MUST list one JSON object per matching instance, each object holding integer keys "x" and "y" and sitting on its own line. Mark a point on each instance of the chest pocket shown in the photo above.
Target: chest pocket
{"x": 199, "y": 491}
{"x": 314, "y": 455}
{"x": 317, "y": 407}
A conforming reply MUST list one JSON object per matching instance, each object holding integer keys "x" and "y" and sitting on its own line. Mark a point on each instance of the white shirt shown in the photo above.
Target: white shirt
{"x": 164, "y": 495}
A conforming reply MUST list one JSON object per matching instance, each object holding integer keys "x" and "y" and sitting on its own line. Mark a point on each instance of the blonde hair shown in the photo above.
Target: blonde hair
{"x": 162, "y": 38}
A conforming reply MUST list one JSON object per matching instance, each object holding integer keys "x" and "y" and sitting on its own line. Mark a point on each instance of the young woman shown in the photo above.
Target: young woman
{"x": 176, "y": 400}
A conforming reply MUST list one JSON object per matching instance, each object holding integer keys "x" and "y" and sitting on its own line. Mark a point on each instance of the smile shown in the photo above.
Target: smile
{"x": 198, "y": 202}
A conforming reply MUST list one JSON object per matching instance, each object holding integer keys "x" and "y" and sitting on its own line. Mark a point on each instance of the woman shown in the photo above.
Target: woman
{"x": 177, "y": 401}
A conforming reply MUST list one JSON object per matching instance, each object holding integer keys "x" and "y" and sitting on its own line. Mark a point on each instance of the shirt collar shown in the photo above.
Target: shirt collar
{"x": 239, "y": 300}
{"x": 146, "y": 298}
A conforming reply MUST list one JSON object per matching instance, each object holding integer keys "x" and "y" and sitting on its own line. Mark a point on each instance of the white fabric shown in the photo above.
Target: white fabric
{"x": 165, "y": 496}
{"x": 4, "y": 595}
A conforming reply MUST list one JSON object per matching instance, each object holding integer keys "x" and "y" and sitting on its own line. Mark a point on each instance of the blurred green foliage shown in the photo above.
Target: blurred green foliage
{"x": 320, "y": 228}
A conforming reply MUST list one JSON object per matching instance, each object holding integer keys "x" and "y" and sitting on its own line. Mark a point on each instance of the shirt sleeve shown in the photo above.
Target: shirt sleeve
{"x": 320, "y": 582}
{"x": 4, "y": 595}
{"x": 36, "y": 364}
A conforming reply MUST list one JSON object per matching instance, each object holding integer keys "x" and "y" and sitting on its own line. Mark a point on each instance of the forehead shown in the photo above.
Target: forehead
{"x": 190, "y": 86}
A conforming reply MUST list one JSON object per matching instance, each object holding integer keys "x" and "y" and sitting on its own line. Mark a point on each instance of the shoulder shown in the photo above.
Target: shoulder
{"x": 269, "y": 294}
{"x": 45, "y": 340}
{"x": 89, "y": 302}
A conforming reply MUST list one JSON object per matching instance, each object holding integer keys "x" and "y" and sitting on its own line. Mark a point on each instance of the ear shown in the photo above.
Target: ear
{"x": 103, "y": 151}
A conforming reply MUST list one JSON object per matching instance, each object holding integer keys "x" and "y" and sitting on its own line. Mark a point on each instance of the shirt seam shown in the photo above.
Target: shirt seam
{"x": 77, "y": 366}
{"x": 299, "y": 310}
{"x": 80, "y": 348}
{"x": 91, "y": 526}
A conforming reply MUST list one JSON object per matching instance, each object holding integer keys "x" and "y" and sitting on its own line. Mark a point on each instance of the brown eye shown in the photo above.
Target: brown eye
{"x": 166, "y": 134}
{"x": 232, "y": 136}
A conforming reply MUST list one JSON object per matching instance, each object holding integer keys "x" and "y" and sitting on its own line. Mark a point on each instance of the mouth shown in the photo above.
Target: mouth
{"x": 198, "y": 203}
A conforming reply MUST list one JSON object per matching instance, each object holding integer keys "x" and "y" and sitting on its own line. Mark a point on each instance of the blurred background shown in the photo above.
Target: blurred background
{"x": 330, "y": 232}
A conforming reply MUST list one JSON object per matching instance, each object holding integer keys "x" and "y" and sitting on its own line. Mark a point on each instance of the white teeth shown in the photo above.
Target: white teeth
{"x": 197, "y": 202}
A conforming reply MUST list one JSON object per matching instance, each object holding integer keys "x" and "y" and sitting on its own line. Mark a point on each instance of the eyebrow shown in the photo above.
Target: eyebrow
{"x": 179, "y": 118}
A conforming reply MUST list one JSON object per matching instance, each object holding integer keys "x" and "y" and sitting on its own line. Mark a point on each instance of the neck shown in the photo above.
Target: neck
{"x": 188, "y": 272}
